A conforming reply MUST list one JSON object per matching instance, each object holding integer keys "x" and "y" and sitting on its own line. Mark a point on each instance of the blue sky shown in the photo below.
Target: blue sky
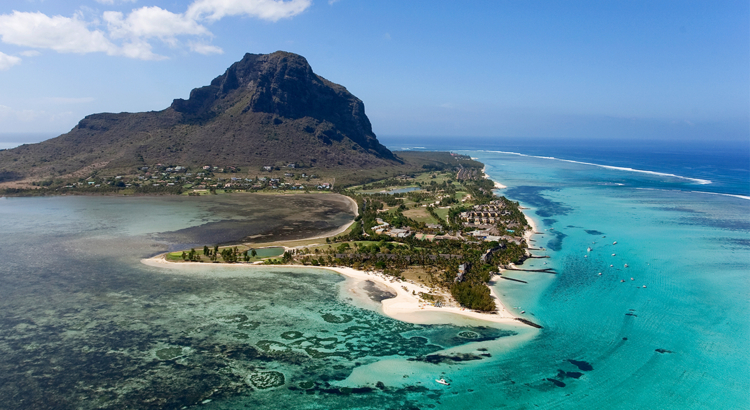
{"x": 591, "y": 69}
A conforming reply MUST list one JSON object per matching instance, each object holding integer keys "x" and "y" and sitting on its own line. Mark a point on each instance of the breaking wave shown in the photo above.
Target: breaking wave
{"x": 695, "y": 180}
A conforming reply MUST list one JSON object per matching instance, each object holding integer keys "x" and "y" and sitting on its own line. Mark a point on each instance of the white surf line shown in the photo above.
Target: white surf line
{"x": 696, "y": 180}
{"x": 696, "y": 192}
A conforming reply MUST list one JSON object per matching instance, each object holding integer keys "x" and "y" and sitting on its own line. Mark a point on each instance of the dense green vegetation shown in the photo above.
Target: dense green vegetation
{"x": 393, "y": 254}
{"x": 383, "y": 237}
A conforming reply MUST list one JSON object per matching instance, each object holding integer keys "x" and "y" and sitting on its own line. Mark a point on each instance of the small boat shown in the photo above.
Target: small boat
{"x": 632, "y": 279}
{"x": 585, "y": 256}
{"x": 443, "y": 382}
{"x": 600, "y": 274}
{"x": 644, "y": 286}
{"x": 626, "y": 265}
{"x": 614, "y": 243}
{"x": 523, "y": 311}
{"x": 622, "y": 280}
{"x": 614, "y": 254}
{"x": 611, "y": 266}
{"x": 588, "y": 249}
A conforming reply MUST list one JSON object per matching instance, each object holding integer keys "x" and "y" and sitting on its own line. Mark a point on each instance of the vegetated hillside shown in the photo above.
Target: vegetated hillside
{"x": 267, "y": 109}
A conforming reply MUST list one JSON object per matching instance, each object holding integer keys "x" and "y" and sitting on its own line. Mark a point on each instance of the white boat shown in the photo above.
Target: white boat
{"x": 611, "y": 266}
{"x": 443, "y": 382}
{"x": 600, "y": 274}
{"x": 614, "y": 254}
{"x": 588, "y": 249}
{"x": 614, "y": 243}
{"x": 626, "y": 265}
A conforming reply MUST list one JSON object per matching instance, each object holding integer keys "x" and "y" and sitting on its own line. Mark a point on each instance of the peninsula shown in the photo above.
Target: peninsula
{"x": 428, "y": 223}
{"x": 434, "y": 240}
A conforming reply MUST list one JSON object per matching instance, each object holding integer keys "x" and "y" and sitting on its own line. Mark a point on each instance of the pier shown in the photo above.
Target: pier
{"x": 513, "y": 279}
{"x": 528, "y": 322}
{"x": 546, "y": 270}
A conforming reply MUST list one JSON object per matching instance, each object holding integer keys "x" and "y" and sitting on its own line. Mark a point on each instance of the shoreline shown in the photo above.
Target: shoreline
{"x": 341, "y": 229}
{"x": 486, "y": 176}
{"x": 405, "y": 307}
{"x": 528, "y": 234}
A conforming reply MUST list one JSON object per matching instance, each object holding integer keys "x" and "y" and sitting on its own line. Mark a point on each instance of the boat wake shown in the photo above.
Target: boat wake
{"x": 642, "y": 171}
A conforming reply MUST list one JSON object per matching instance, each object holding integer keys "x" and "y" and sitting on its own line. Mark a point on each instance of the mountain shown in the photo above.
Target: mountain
{"x": 266, "y": 109}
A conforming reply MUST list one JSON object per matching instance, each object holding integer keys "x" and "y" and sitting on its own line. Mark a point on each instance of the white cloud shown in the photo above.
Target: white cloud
{"x": 205, "y": 49}
{"x": 330, "y": 2}
{"x": 30, "y": 53}
{"x": 150, "y": 22}
{"x": 110, "y": 2}
{"x": 131, "y": 34}
{"x": 272, "y": 10}
{"x": 7, "y": 61}
{"x": 139, "y": 49}
{"x": 62, "y": 34}
{"x": 20, "y": 115}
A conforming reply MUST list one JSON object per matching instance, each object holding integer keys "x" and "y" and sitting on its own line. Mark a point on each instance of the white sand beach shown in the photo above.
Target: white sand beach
{"x": 406, "y": 306}
{"x": 497, "y": 184}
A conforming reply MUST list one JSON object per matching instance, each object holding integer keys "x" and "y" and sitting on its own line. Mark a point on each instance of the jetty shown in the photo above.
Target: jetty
{"x": 545, "y": 270}
{"x": 513, "y": 279}
{"x": 528, "y": 322}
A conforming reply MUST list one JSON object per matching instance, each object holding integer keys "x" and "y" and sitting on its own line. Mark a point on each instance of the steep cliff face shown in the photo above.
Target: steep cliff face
{"x": 284, "y": 85}
{"x": 265, "y": 108}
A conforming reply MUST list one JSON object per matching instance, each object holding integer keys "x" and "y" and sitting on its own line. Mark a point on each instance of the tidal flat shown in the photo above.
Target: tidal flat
{"x": 85, "y": 325}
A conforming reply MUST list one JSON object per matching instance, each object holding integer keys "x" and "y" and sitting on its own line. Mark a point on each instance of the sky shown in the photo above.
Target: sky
{"x": 544, "y": 69}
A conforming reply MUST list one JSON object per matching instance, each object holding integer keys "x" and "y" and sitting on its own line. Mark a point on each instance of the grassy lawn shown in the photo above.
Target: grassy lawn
{"x": 325, "y": 247}
{"x": 420, "y": 215}
{"x": 442, "y": 213}
{"x": 262, "y": 254}
{"x": 426, "y": 178}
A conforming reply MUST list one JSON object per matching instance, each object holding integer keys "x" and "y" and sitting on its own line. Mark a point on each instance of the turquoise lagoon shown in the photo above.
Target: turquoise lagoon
{"x": 85, "y": 325}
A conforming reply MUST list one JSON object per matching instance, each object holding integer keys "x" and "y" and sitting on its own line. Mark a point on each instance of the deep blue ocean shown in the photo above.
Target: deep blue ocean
{"x": 658, "y": 320}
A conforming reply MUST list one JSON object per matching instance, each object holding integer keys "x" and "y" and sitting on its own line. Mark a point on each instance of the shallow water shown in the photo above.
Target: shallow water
{"x": 671, "y": 327}
{"x": 84, "y": 324}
